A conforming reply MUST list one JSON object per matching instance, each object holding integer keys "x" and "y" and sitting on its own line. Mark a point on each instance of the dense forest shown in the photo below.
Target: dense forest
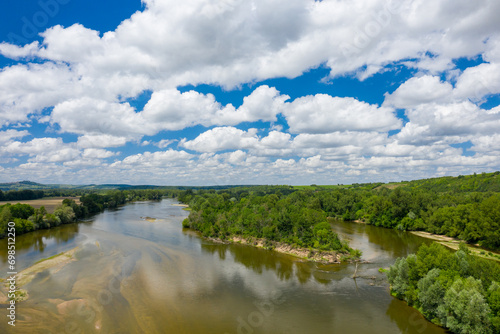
{"x": 27, "y": 218}
{"x": 265, "y": 212}
{"x": 455, "y": 290}
{"x": 467, "y": 208}
{"x": 464, "y": 207}
{"x": 21, "y": 195}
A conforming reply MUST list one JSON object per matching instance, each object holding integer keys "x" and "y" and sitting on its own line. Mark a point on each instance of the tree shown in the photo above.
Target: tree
{"x": 65, "y": 214}
{"x": 431, "y": 293}
{"x": 22, "y": 211}
{"x": 5, "y": 218}
{"x": 398, "y": 276}
{"x": 464, "y": 309}
{"x": 494, "y": 302}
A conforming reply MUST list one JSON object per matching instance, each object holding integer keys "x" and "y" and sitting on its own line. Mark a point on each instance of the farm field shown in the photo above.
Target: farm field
{"x": 50, "y": 203}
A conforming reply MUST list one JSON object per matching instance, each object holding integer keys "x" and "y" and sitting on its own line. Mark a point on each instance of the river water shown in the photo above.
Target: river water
{"x": 132, "y": 275}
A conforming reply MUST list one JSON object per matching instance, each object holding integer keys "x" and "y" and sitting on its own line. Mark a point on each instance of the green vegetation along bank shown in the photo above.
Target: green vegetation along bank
{"x": 465, "y": 207}
{"x": 27, "y": 218}
{"x": 273, "y": 218}
{"x": 452, "y": 289}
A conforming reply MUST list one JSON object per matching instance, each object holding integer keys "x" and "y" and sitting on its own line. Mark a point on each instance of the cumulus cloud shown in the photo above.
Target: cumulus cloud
{"x": 7, "y": 135}
{"x": 15, "y": 51}
{"x": 96, "y": 117}
{"x": 420, "y": 90}
{"x": 156, "y": 159}
{"x": 28, "y": 89}
{"x": 220, "y": 139}
{"x": 451, "y": 123}
{"x": 100, "y": 141}
{"x": 79, "y": 81}
{"x": 239, "y": 41}
{"x": 42, "y": 150}
{"x": 173, "y": 110}
{"x": 323, "y": 114}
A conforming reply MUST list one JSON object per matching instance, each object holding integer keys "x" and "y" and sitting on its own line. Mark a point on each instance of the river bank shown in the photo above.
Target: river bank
{"x": 453, "y": 243}
{"x": 313, "y": 255}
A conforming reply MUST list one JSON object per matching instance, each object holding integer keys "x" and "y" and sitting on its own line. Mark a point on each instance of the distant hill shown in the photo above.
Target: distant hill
{"x": 24, "y": 185}
{"x": 29, "y": 185}
{"x": 469, "y": 183}
{"x": 463, "y": 183}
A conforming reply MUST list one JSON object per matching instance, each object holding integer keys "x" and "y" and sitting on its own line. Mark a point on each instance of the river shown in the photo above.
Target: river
{"x": 133, "y": 275}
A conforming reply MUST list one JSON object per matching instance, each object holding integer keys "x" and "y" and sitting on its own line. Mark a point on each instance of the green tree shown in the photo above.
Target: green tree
{"x": 464, "y": 309}
{"x": 398, "y": 276}
{"x": 65, "y": 214}
{"x": 494, "y": 303}
{"x": 430, "y": 293}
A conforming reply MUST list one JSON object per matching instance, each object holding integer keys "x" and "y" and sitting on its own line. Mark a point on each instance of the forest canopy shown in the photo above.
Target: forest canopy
{"x": 452, "y": 289}
{"x": 467, "y": 208}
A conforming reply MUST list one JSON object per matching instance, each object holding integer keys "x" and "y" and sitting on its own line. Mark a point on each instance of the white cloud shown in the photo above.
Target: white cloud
{"x": 96, "y": 117}
{"x": 96, "y": 153}
{"x": 323, "y": 114}
{"x": 454, "y": 122}
{"x": 237, "y": 41}
{"x": 28, "y": 89}
{"x": 42, "y": 150}
{"x": 7, "y": 135}
{"x": 479, "y": 81}
{"x": 173, "y": 110}
{"x": 339, "y": 139}
{"x": 87, "y": 77}
{"x": 15, "y": 52}
{"x": 420, "y": 90}
{"x": 263, "y": 104}
{"x": 222, "y": 138}
{"x": 156, "y": 159}
{"x": 100, "y": 141}
{"x": 164, "y": 143}
{"x": 487, "y": 144}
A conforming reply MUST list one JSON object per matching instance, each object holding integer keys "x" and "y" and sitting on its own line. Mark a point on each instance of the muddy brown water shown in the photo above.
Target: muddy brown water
{"x": 136, "y": 276}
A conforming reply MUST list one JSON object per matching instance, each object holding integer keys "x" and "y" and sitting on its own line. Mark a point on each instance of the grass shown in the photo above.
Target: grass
{"x": 473, "y": 250}
{"x": 49, "y": 258}
{"x": 20, "y": 295}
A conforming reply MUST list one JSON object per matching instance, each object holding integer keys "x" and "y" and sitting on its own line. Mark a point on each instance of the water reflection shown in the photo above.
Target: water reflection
{"x": 137, "y": 276}
{"x": 409, "y": 320}
{"x": 377, "y": 243}
{"x": 38, "y": 241}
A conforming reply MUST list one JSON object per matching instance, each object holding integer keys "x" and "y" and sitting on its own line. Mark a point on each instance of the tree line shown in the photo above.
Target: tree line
{"x": 473, "y": 217}
{"x": 452, "y": 289}
{"x": 21, "y": 195}
{"x": 264, "y": 213}
{"x": 27, "y": 218}
{"x": 455, "y": 207}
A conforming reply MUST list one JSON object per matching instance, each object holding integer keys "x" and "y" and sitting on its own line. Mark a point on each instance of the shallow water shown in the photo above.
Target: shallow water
{"x": 136, "y": 276}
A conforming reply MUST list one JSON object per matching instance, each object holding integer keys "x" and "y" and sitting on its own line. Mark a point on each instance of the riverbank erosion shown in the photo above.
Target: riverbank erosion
{"x": 308, "y": 254}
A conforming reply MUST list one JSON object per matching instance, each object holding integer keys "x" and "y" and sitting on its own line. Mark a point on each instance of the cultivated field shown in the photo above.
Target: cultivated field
{"x": 50, "y": 203}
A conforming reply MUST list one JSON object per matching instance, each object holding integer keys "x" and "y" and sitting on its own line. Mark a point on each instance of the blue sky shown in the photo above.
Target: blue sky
{"x": 237, "y": 92}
